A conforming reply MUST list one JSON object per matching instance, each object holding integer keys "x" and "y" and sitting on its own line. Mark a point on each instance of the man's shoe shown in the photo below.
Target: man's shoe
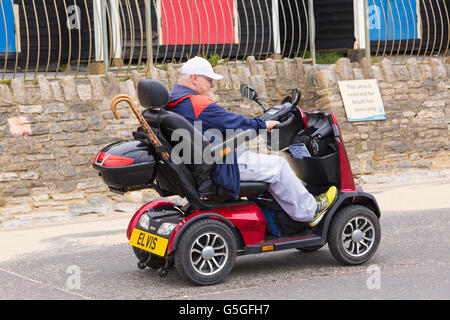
{"x": 324, "y": 202}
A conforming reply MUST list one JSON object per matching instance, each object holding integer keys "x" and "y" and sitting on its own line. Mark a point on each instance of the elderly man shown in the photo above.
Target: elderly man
{"x": 191, "y": 99}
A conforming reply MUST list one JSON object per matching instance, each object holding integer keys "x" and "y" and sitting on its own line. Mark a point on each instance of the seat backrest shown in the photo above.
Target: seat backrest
{"x": 154, "y": 95}
{"x": 177, "y": 129}
{"x": 190, "y": 136}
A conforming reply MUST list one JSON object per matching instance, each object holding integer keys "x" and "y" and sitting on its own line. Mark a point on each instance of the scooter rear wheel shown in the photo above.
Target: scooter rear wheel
{"x": 354, "y": 235}
{"x": 206, "y": 252}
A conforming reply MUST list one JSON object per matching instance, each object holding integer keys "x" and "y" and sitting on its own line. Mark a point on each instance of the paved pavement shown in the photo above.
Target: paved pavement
{"x": 411, "y": 195}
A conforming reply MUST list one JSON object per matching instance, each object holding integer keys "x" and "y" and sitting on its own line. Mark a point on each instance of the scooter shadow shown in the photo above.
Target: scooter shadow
{"x": 285, "y": 261}
{"x": 258, "y": 267}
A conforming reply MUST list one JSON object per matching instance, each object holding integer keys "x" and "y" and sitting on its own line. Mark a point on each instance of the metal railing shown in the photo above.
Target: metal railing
{"x": 400, "y": 29}
{"x": 81, "y": 37}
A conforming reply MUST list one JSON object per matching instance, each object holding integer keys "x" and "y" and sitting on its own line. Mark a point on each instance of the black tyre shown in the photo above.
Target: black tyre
{"x": 354, "y": 235}
{"x": 206, "y": 252}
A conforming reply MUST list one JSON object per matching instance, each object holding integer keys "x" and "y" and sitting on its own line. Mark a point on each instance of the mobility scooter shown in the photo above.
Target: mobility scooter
{"x": 203, "y": 237}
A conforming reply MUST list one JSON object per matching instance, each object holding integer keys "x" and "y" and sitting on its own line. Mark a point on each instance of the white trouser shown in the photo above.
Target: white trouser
{"x": 287, "y": 189}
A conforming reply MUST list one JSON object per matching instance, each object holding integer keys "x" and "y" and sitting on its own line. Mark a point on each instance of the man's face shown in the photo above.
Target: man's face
{"x": 203, "y": 85}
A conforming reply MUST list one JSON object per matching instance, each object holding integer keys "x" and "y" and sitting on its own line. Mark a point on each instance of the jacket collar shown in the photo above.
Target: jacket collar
{"x": 179, "y": 91}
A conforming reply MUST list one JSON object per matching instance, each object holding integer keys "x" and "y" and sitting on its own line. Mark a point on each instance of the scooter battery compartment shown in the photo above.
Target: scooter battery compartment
{"x": 316, "y": 170}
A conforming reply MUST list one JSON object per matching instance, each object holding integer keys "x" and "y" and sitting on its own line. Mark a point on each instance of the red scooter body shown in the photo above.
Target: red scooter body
{"x": 247, "y": 218}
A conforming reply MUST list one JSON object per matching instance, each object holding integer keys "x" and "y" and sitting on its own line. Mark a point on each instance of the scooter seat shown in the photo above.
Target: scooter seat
{"x": 248, "y": 189}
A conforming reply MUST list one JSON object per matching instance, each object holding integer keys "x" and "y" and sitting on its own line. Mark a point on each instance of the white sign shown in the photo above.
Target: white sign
{"x": 362, "y": 100}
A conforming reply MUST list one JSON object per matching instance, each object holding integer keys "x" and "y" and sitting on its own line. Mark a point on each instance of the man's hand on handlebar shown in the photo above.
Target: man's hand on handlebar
{"x": 270, "y": 124}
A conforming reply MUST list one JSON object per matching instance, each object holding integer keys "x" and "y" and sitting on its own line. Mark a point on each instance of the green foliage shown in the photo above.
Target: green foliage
{"x": 328, "y": 57}
{"x": 325, "y": 57}
{"x": 215, "y": 60}
{"x": 161, "y": 66}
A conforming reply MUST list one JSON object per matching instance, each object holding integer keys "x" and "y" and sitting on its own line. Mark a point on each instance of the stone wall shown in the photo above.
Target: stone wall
{"x": 413, "y": 141}
{"x": 46, "y": 174}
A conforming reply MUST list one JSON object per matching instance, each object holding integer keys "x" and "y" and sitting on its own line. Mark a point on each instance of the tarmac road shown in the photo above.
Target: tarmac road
{"x": 90, "y": 259}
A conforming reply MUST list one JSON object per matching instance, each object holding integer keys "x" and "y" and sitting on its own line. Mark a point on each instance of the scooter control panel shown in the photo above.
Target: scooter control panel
{"x": 276, "y": 112}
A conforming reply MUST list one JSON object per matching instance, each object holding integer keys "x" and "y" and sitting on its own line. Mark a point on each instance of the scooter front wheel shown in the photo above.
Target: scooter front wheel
{"x": 354, "y": 235}
{"x": 206, "y": 252}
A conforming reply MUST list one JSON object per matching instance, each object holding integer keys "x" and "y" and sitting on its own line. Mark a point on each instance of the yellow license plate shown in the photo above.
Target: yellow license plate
{"x": 149, "y": 242}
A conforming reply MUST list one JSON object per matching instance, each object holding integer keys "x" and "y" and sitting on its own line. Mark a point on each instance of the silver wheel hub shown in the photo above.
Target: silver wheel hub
{"x": 358, "y": 236}
{"x": 209, "y": 253}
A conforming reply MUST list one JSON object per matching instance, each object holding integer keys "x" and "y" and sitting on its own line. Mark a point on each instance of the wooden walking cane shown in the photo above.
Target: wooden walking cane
{"x": 153, "y": 138}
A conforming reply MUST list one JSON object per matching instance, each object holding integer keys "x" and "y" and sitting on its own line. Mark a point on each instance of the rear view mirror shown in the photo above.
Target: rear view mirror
{"x": 248, "y": 92}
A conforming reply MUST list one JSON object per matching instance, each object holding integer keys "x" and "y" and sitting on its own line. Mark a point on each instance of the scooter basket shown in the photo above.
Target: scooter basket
{"x": 316, "y": 170}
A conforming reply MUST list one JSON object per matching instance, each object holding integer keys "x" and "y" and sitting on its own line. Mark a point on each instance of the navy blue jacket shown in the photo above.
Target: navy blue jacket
{"x": 196, "y": 107}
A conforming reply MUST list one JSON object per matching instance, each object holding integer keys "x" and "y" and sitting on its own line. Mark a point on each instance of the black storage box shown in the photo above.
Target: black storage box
{"x": 316, "y": 170}
{"x": 126, "y": 164}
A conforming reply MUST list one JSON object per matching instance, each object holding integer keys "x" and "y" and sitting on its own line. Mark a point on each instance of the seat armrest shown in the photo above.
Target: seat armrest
{"x": 223, "y": 148}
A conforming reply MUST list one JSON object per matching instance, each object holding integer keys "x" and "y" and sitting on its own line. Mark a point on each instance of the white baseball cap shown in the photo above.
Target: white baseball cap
{"x": 200, "y": 66}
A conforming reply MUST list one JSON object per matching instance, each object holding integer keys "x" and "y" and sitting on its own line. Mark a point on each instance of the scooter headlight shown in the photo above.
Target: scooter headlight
{"x": 144, "y": 222}
{"x": 166, "y": 228}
